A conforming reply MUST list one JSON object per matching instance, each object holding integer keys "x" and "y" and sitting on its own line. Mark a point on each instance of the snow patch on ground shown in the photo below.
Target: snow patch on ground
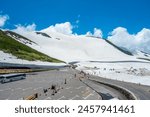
{"x": 134, "y": 72}
{"x": 8, "y": 58}
{"x": 140, "y": 54}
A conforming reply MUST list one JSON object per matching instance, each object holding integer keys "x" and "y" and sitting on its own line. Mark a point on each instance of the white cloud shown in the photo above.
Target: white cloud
{"x": 64, "y": 28}
{"x": 3, "y": 19}
{"x": 88, "y": 33}
{"x": 28, "y": 28}
{"x": 133, "y": 42}
{"x": 97, "y": 33}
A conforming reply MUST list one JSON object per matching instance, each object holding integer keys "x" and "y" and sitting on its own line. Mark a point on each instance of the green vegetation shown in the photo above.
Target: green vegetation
{"x": 122, "y": 50}
{"x": 9, "y": 45}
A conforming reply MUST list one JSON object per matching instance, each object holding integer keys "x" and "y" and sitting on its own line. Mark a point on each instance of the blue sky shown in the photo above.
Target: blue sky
{"x": 103, "y": 14}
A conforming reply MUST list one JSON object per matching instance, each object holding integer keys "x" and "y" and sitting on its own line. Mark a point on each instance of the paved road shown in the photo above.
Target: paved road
{"x": 105, "y": 91}
{"x": 68, "y": 86}
{"x": 142, "y": 92}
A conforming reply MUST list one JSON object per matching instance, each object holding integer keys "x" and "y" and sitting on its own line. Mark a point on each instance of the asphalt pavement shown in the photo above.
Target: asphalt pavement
{"x": 54, "y": 84}
{"x": 68, "y": 84}
{"x": 142, "y": 92}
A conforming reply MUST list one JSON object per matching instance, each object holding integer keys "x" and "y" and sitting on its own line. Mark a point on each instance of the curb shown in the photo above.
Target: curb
{"x": 130, "y": 95}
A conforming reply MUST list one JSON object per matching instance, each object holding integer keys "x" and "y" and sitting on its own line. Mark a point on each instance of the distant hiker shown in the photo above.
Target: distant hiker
{"x": 65, "y": 81}
{"x": 45, "y": 90}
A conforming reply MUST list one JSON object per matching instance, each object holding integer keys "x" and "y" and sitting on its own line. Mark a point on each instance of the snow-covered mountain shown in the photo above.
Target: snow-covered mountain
{"x": 14, "y": 49}
{"x": 71, "y": 48}
{"x": 142, "y": 55}
{"x": 94, "y": 55}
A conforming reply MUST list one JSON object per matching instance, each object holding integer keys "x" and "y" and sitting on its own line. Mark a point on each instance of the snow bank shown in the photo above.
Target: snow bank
{"x": 135, "y": 72}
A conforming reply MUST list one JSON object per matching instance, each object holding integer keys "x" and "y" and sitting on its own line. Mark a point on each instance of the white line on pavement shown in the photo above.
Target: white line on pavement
{"x": 27, "y": 88}
{"x": 87, "y": 96}
{"x": 68, "y": 87}
{"x": 5, "y": 89}
{"x": 74, "y": 97}
{"x": 38, "y": 88}
{"x": 61, "y": 97}
{"x": 79, "y": 87}
{"x": 17, "y": 88}
{"x": 48, "y": 98}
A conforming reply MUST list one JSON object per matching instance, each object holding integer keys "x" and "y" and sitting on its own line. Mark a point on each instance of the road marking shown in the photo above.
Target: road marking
{"x": 61, "y": 97}
{"x": 17, "y": 88}
{"x": 38, "y": 88}
{"x": 87, "y": 96}
{"x": 64, "y": 70}
{"x": 74, "y": 97}
{"x": 49, "y": 98}
{"x": 87, "y": 92}
{"x": 27, "y": 88}
{"x": 6, "y": 89}
{"x": 79, "y": 87}
{"x": 68, "y": 87}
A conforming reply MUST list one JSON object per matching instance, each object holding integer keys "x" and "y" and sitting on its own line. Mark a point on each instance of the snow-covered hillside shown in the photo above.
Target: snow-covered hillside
{"x": 9, "y": 58}
{"x": 94, "y": 55}
{"x": 71, "y": 48}
{"x": 142, "y": 55}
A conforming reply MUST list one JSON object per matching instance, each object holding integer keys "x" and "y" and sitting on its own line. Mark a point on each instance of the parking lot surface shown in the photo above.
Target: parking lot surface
{"x": 60, "y": 84}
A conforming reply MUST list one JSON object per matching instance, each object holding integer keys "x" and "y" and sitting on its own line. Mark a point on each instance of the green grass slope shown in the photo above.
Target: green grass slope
{"x": 9, "y": 45}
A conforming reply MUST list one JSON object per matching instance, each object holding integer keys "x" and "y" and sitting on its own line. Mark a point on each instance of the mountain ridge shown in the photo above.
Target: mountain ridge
{"x": 70, "y": 48}
{"x": 21, "y": 50}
